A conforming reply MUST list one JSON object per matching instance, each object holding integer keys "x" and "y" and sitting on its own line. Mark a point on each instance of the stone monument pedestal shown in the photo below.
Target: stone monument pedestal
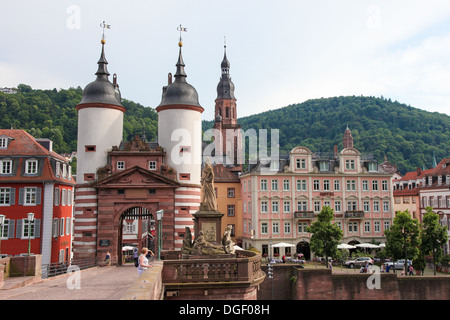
{"x": 209, "y": 223}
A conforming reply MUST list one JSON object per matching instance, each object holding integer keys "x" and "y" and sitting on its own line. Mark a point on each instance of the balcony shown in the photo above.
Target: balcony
{"x": 304, "y": 214}
{"x": 354, "y": 214}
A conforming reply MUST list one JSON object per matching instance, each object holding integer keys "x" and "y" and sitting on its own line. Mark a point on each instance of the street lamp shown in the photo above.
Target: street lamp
{"x": 30, "y": 219}
{"x": 2, "y": 221}
{"x": 159, "y": 216}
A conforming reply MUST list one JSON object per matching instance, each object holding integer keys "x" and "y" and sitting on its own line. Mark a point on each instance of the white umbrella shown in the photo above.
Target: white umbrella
{"x": 126, "y": 248}
{"x": 382, "y": 245}
{"x": 345, "y": 246}
{"x": 283, "y": 244}
{"x": 367, "y": 245}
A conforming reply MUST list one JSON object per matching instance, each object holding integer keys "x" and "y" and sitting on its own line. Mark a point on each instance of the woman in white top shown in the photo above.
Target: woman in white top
{"x": 143, "y": 261}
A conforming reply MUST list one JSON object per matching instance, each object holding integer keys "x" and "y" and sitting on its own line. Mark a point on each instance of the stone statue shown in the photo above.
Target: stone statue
{"x": 228, "y": 244}
{"x": 187, "y": 241}
{"x": 201, "y": 246}
{"x": 208, "y": 200}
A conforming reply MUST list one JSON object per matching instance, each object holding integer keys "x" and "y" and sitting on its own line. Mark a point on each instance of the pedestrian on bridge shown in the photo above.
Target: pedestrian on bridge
{"x": 143, "y": 261}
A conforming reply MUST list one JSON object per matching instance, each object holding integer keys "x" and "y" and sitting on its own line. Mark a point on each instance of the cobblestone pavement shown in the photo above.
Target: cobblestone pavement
{"x": 106, "y": 283}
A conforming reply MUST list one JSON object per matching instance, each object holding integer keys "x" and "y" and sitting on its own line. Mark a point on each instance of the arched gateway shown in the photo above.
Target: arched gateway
{"x": 137, "y": 229}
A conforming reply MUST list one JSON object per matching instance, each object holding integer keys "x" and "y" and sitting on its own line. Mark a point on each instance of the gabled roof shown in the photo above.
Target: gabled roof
{"x": 22, "y": 145}
{"x": 224, "y": 174}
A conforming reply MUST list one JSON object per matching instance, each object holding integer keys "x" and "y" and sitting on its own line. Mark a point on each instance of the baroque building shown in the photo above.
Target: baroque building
{"x": 281, "y": 200}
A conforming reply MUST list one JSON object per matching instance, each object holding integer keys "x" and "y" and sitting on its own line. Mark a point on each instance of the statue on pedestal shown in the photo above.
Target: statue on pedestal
{"x": 208, "y": 199}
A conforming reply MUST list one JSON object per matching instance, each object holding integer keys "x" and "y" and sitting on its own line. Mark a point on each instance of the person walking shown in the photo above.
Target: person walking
{"x": 108, "y": 258}
{"x": 143, "y": 261}
{"x": 135, "y": 256}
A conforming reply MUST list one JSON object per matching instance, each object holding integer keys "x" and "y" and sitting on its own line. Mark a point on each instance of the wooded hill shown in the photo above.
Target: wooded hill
{"x": 407, "y": 136}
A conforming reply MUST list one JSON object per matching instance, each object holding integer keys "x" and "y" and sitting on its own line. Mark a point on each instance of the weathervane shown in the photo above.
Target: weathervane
{"x": 181, "y": 29}
{"x": 104, "y": 26}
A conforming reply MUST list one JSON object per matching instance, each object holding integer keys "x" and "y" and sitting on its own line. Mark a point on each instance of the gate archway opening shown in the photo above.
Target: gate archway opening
{"x": 136, "y": 230}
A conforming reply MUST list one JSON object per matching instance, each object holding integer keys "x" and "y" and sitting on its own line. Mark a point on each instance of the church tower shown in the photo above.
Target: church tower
{"x": 348, "y": 139}
{"x": 229, "y": 142}
{"x": 180, "y": 134}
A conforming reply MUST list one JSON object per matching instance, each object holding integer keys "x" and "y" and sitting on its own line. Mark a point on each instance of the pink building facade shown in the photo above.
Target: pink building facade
{"x": 279, "y": 204}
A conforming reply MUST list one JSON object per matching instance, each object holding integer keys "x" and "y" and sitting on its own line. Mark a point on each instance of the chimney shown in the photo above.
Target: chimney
{"x": 335, "y": 151}
{"x": 419, "y": 171}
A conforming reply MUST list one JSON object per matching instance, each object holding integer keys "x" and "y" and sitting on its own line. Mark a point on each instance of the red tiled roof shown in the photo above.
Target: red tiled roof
{"x": 223, "y": 174}
{"x": 22, "y": 144}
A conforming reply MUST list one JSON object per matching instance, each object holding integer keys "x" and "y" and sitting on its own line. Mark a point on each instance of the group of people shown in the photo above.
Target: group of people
{"x": 141, "y": 261}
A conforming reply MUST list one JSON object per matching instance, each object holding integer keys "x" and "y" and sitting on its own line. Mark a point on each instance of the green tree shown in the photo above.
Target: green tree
{"x": 325, "y": 235}
{"x": 403, "y": 238}
{"x": 433, "y": 236}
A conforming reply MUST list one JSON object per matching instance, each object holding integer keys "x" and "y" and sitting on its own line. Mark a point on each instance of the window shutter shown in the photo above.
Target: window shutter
{"x": 11, "y": 229}
{"x": 21, "y": 196}
{"x": 38, "y": 196}
{"x": 37, "y": 228}
{"x": 12, "y": 196}
{"x": 19, "y": 229}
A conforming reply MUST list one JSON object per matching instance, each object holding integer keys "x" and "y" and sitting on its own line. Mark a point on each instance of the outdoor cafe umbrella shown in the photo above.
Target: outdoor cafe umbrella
{"x": 126, "y": 248}
{"x": 345, "y": 246}
{"x": 283, "y": 244}
{"x": 367, "y": 245}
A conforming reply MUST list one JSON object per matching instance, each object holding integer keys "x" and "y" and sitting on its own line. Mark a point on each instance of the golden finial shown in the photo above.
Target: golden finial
{"x": 180, "y": 28}
{"x": 104, "y": 26}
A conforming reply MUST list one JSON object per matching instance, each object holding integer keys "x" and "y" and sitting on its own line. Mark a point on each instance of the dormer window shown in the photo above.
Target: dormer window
{"x": 5, "y": 166}
{"x": 350, "y": 164}
{"x": 3, "y": 143}
{"x": 300, "y": 163}
{"x": 31, "y": 167}
{"x": 372, "y": 166}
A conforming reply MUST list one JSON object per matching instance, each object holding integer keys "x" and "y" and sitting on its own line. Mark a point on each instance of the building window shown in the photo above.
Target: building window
{"x": 326, "y": 185}
{"x": 4, "y": 229}
{"x": 31, "y": 167}
{"x": 6, "y": 167}
{"x": 337, "y": 206}
{"x": 385, "y": 206}
{"x": 350, "y": 164}
{"x": 301, "y": 185}
{"x": 274, "y": 185}
{"x": 61, "y": 227}
{"x": 185, "y": 176}
{"x": 30, "y": 196}
{"x": 386, "y": 225}
{"x": 324, "y": 166}
{"x": 352, "y": 205}
{"x": 366, "y": 206}
{"x": 376, "y": 206}
{"x": 287, "y": 227}
{"x": 56, "y": 197}
{"x": 365, "y": 185}
{"x": 152, "y": 165}
{"x": 316, "y": 185}
{"x": 90, "y": 148}
{"x": 376, "y": 226}
{"x": 230, "y": 210}
{"x": 384, "y": 185}
{"x": 372, "y": 166}
{"x": 264, "y": 228}
{"x": 302, "y": 205}
{"x": 316, "y": 206}
{"x": 300, "y": 163}
{"x": 120, "y": 165}
{"x": 286, "y": 185}
{"x": 275, "y": 228}
{"x": 263, "y": 185}
{"x": 28, "y": 229}
{"x": 5, "y": 196}
{"x": 366, "y": 226}
{"x": 286, "y": 206}
{"x": 55, "y": 227}
{"x": 275, "y": 207}
{"x": 374, "y": 185}
{"x": 264, "y": 206}
{"x": 230, "y": 192}
{"x": 3, "y": 143}
{"x": 337, "y": 185}
{"x": 351, "y": 185}
{"x": 353, "y": 227}
{"x": 301, "y": 227}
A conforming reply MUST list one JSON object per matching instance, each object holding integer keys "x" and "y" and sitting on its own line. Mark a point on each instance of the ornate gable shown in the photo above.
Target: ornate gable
{"x": 136, "y": 177}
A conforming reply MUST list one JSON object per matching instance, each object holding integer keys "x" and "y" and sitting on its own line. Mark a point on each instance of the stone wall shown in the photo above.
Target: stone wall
{"x": 292, "y": 283}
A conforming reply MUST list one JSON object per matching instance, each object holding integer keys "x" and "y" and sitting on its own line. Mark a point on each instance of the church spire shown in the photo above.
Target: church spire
{"x": 102, "y": 70}
{"x": 348, "y": 139}
{"x": 225, "y": 88}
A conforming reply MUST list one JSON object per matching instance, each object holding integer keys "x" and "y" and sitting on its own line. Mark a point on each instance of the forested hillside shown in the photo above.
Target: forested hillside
{"x": 51, "y": 114}
{"x": 406, "y": 135}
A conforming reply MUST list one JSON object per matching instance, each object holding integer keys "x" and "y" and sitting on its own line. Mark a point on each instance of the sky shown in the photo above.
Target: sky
{"x": 281, "y": 52}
